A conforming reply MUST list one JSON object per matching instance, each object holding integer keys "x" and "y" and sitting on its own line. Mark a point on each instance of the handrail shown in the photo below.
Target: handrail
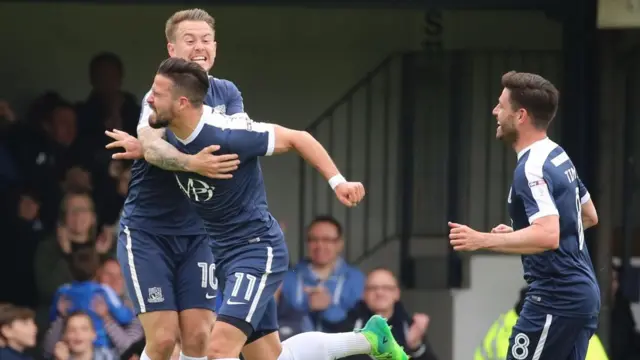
{"x": 372, "y": 235}
{"x": 349, "y": 93}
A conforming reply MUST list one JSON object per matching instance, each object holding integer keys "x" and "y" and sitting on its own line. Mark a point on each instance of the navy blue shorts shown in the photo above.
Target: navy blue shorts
{"x": 161, "y": 272}
{"x": 540, "y": 336}
{"x": 249, "y": 276}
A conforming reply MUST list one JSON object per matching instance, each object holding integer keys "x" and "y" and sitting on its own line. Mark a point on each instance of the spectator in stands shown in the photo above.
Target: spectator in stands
{"x": 17, "y": 256}
{"x": 107, "y": 107}
{"x": 9, "y": 175}
{"x": 46, "y": 153}
{"x": 123, "y": 337}
{"x": 113, "y": 189}
{"x": 76, "y": 229}
{"x": 17, "y": 332}
{"x": 625, "y": 338}
{"x": 78, "y": 340}
{"x": 382, "y": 297}
{"x": 110, "y": 274}
{"x": 84, "y": 294}
{"x": 76, "y": 178}
{"x": 324, "y": 286}
{"x": 290, "y": 320}
{"x": 495, "y": 345}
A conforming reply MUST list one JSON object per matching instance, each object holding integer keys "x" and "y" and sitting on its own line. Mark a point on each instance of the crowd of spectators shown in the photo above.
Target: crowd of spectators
{"x": 65, "y": 298}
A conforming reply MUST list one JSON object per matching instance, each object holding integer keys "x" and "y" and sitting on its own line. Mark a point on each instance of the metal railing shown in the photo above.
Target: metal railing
{"x": 359, "y": 130}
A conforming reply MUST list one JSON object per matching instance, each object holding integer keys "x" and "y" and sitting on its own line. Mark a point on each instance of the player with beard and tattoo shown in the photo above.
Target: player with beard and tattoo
{"x": 549, "y": 208}
{"x": 163, "y": 247}
{"x": 250, "y": 251}
{"x": 249, "y": 247}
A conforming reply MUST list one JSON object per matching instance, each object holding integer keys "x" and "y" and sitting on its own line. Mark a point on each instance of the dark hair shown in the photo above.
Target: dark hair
{"x": 105, "y": 58}
{"x": 533, "y": 93}
{"x": 10, "y": 313}
{"x": 326, "y": 219}
{"x": 71, "y": 193}
{"x": 189, "y": 79}
{"x": 84, "y": 263}
{"x": 44, "y": 106}
{"x": 78, "y": 313}
{"x": 105, "y": 259}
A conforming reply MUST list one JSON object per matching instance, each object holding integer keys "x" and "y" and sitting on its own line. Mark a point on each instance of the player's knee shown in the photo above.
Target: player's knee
{"x": 162, "y": 340}
{"x": 226, "y": 340}
{"x": 196, "y": 339}
{"x": 222, "y": 349}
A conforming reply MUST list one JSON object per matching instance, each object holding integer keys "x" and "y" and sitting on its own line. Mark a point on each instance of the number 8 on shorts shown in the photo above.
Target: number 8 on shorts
{"x": 520, "y": 348}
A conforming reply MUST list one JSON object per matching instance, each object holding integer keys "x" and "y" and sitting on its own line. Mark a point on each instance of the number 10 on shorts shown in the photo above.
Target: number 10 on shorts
{"x": 208, "y": 275}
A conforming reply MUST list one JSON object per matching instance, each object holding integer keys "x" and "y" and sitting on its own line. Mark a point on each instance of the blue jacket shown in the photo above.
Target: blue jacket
{"x": 81, "y": 295}
{"x": 345, "y": 285}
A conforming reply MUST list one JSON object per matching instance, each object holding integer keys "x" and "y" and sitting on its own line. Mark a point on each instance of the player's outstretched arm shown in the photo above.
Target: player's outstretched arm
{"x": 349, "y": 193}
{"x": 307, "y": 146}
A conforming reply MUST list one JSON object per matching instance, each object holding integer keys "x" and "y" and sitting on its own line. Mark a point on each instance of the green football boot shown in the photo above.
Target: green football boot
{"x": 383, "y": 344}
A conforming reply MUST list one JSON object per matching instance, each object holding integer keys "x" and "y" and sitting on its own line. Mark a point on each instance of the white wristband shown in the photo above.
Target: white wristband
{"x": 336, "y": 180}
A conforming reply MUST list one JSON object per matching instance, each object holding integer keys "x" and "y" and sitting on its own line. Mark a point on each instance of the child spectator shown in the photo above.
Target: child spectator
{"x": 82, "y": 295}
{"x": 17, "y": 332}
{"x": 78, "y": 340}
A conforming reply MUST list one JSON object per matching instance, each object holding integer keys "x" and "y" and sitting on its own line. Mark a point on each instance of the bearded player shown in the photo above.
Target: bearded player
{"x": 251, "y": 255}
{"x": 549, "y": 208}
{"x": 163, "y": 247}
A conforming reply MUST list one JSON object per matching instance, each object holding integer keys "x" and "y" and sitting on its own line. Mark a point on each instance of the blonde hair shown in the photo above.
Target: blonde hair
{"x": 186, "y": 15}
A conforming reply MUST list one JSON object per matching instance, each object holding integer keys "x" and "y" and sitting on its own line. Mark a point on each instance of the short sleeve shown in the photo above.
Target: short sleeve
{"x": 235, "y": 103}
{"x": 145, "y": 112}
{"x": 248, "y": 138}
{"x": 584, "y": 193}
{"x": 535, "y": 191}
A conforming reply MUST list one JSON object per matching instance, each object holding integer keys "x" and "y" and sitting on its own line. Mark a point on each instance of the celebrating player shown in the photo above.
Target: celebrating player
{"x": 251, "y": 254}
{"x": 163, "y": 247}
{"x": 549, "y": 209}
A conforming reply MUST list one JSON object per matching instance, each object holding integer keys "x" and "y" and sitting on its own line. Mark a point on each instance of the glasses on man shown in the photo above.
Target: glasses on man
{"x": 385, "y": 288}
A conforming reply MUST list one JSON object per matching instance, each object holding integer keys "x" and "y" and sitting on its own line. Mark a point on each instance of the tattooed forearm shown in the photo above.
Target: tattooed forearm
{"x": 160, "y": 153}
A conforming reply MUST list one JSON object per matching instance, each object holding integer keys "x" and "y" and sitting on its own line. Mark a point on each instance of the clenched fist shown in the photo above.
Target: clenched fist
{"x": 350, "y": 193}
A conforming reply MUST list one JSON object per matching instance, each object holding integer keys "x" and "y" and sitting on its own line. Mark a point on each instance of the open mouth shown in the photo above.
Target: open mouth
{"x": 199, "y": 59}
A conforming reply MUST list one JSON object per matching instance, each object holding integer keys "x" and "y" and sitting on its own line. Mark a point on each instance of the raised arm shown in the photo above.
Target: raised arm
{"x": 251, "y": 139}
{"x": 349, "y": 193}
{"x": 307, "y": 146}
